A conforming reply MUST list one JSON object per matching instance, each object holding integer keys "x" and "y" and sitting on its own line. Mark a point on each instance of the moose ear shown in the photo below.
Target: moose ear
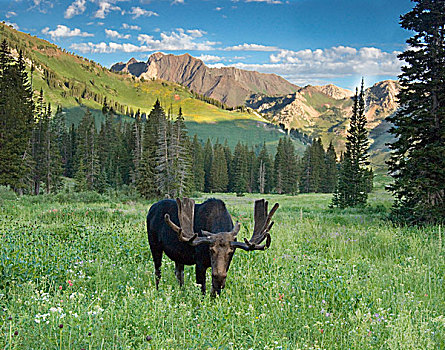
{"x": 206, "y": 233}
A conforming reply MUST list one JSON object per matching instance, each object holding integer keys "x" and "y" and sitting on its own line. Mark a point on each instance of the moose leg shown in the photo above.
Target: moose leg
{"x": 157, "y": 259}
{"x": 201, "y": 277}
{"x": 179, "y": 272}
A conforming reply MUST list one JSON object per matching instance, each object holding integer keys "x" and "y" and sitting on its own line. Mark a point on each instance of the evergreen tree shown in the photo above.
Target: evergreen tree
{"x": 228, "y": 156}
{"x": 279, "y": 166}
{"x": 219, "y": 177}
{"x": 16, "y": 120}
{"x": 331, "y": 172}
{"x": 265, "y": 171}
{"x": 146, "y": 181}
{"x": 290, "y": 169}
{"x": 198, "y": 165}
{"x": 355, "y": 160}
{"x": 240, "y": 168}
{"x": 417, "y": 162}
{"x": 38, "y": 145}
{"x": 164, "y": 174}
{"x": 52, "y": 162}
{"x": 88, "y": 171}
{"x": 180, "y": 158}
{"x": 208, "y": 159}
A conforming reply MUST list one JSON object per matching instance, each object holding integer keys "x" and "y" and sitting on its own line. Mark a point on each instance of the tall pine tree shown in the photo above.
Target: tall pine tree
{"x": 417, "y": 162}
{"x": 351, "y": 189}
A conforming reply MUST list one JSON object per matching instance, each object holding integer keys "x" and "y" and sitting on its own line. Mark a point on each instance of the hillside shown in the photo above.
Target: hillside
{"x": 323, "y": 111}
{"x": 228, "y": 84}
{"x": 76, "y": 83}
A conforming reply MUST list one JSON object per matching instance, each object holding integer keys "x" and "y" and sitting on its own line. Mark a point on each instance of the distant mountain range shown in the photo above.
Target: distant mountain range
{"x": 75, "y": 83}
{"x": 319, "y": 111}
{"x": 230, "y": 85}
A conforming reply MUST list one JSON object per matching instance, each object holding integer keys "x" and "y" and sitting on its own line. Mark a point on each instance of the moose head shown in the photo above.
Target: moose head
{"x": 222, "y": 245}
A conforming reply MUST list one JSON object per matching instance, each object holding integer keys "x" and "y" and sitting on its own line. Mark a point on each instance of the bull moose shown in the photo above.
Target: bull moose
{"x": 202, "y": 235}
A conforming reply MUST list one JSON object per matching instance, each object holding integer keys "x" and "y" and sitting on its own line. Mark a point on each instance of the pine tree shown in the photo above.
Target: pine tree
{"x": 417, "y": 162}
{"x": 290, "y": 168}
{"x": 353, "y": 171}
{"x": 52, "y": 162}
{"x": 219, "y": 177}
{"x": 146, "y": 181}
{"x": 240, "y": 168}
{"x": 88, "y": 173}
{"x": 265, "y": 171}
{"x": 163, "y": 170}
{"x": 331, "y": 172}
{"x": 198, "y": 165}
{"x": 279, "y": 165}
{"x": 16, "y": 120}
{"x": 38, "y": 145}
{"x": 208, "y": 158}
{"x": 180, "y": 157}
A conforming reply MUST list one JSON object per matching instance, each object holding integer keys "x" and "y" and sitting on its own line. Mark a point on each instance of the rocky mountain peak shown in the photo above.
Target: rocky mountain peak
{"x": 132, "y": 60}
{"x": 228, "y": 84}
{"x": 334, "y": 91}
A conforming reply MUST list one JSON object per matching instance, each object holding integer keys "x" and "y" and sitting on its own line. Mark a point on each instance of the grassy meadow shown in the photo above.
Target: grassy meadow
{"x": 76, "y": 273}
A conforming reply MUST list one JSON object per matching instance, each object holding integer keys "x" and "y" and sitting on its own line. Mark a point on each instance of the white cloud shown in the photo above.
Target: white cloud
{"x": 178, "y": 40}
{"x": 13, "y": 25}
{"x": 266, "y": 1}
{"x": 322, "y": 65}
{"x": 218, "y": 8}
{"x": 114, "y": 34}
{"x": 175, "y": 2}
{"x": 210, "y": 58}
{"x": 251, "y": 47}
{"x": 104, "y": 8}
{"x": 129, "y": 26}
{"x": 41, "y": 5}
{"x": 138, "y": 12}
{"x": 196, "y": 33}
{"x": 63, "y": 32}
{"x": 10, "y": 14}
{"x": 76, "y": 8}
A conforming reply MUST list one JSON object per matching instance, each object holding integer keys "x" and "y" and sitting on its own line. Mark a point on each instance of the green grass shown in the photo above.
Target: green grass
{"x": 331, "y": 280}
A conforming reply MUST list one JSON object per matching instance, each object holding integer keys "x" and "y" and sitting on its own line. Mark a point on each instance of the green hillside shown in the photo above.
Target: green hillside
{"x": 76, "y": 83}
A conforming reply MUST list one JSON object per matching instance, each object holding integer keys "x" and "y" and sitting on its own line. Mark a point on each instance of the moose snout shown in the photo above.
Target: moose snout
{"x": 219, "y": 280}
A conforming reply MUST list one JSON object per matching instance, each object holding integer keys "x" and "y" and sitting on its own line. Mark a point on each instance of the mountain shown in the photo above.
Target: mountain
{"x": 76, "y": 83}
{"x": 323, "y": 111}
{"x": 228, "y": 84}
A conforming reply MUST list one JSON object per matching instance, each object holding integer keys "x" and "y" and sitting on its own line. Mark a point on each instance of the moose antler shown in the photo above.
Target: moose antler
{"x": 261, "y": 228}
{"x": 186, "y": 213}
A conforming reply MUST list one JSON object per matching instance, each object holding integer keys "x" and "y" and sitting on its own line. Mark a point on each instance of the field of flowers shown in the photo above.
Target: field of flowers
{"x": 76, "y": 273}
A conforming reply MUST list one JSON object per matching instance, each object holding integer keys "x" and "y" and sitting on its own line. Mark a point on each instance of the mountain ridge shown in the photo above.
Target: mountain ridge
{"x": 230, "y": 85}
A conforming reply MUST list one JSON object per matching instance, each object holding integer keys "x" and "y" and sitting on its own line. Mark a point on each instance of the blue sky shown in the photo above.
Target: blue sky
{"x": 305, "y": 41}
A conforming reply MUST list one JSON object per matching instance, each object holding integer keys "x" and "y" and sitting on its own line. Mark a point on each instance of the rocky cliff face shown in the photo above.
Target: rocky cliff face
{"x": 324, "y": 111}
{"x": 228, "y": 84}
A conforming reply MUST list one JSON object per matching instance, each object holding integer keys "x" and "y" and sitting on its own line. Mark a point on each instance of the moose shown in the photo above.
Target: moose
{"x": 202, "y": 235}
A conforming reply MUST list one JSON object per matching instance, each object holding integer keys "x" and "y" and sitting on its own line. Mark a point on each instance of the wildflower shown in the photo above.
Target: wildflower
{"x": 60, "y": 326}
{"x": 280, "y": 296}
{"x": 148, "y": 338}
{"x": 323, "y": 301}
{"x": 60, "y": 287}
{"x": 70, "y": 283}
{"x": 89, "y": 334}
{"x": 16, "y": 333}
